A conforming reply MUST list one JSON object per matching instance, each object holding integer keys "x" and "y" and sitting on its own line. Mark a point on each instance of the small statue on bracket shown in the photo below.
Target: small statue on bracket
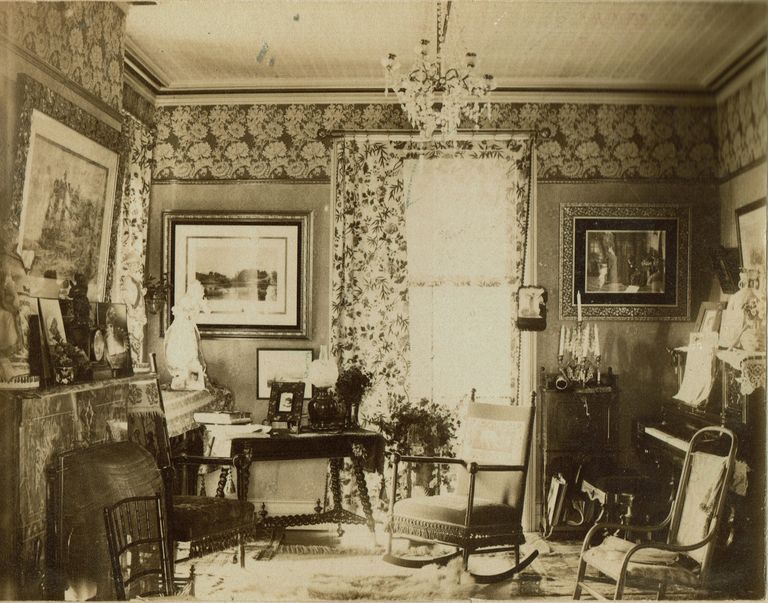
{"x": 183, "y": 355}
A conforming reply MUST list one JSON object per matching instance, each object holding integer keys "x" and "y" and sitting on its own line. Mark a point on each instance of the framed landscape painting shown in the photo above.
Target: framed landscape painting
{"x": 64, "y": 217}
{"x": 625, "y": 262}
{"x": 254, "y": 268}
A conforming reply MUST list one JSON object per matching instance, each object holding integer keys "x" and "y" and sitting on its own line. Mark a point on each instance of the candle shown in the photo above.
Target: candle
{"x": 585, "y": 342}
{"x": 578, "y": 306}
{"x": 597, "y": 342}
{"x": 562, "y": 340}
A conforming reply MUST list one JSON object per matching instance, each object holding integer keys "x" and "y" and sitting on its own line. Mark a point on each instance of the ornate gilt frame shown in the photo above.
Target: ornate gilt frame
{"x": 34, "y": 95}
{"x": 673, "y": 304}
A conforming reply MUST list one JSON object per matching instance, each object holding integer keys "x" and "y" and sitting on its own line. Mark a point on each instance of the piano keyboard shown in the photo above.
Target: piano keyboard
{"x": 678, "y": 443}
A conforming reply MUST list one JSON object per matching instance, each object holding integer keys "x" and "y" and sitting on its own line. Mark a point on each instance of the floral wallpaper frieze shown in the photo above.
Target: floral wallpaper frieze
{"x": 742, "y": 126}
{"x": 82, "y": 40}
{"x": 228, "y": 142}
{"x": 138, "y": 106}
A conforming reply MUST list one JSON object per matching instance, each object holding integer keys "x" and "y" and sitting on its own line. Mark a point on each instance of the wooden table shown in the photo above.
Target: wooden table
{"x": 364, "y": 448}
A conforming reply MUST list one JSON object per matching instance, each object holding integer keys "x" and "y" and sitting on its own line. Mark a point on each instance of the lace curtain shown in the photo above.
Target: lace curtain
{"x": 132, "y": 235}
{"x": 375, "y": 271}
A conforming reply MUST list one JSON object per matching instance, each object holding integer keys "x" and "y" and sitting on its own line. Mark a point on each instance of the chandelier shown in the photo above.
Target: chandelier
{"x": 434, "y": 96}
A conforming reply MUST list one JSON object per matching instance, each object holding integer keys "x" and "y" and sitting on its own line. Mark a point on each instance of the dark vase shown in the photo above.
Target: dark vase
{"x": 326, "y": 413}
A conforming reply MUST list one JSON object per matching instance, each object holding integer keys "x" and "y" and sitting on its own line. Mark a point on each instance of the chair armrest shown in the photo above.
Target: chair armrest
{"x": 197, "y": 459}
{"x": 620, "y": 526}
{"x": 497, "y": 467}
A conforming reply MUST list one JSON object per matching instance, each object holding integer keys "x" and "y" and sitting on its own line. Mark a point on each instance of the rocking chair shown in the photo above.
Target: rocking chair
{"x": 484, "y": 515}
{"x": 684, "y": 558}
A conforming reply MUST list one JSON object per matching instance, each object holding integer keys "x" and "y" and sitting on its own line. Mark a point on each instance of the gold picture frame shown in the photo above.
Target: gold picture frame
{"x": 67, "y": 183}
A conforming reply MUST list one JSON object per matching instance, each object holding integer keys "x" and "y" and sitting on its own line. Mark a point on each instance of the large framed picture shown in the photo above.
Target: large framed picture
{"x": 625, "y": 262}
{"x": 255, "y": 269}
{"x": 282, "y": 365}
{"x": 750, "y": 228}
{"x": 63, "y": 217}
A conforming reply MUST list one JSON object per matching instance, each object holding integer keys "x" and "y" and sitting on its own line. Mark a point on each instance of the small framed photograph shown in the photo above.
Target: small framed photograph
{"x": 710, "y": 314}
{"x": 286, "y": 403}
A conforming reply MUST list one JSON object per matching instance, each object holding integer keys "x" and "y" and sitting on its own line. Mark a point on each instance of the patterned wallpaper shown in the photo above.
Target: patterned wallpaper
{"x": 226, "y": 142}
{"x": 138, "y": 106}
{"x": 742, "y": 127}
{"x": 82, "y": 40}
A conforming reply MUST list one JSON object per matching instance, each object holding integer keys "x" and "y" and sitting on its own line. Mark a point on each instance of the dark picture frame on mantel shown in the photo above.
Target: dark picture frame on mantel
{"x": 625, "y": 261}
{"x": 255, "y": 268}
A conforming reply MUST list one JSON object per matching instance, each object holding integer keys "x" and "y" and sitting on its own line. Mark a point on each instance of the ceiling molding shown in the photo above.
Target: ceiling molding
{"x": 145, "y": 67}
{"x": 719, "y": 75}
{"x": 758, "y": 64}
{"x": 299, "y": 97}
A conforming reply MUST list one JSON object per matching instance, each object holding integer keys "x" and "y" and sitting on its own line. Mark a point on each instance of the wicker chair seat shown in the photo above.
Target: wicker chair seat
{"x": 196, "y": 517}
{"x": 452, "y": 509}
{"x": 653, "y": 565}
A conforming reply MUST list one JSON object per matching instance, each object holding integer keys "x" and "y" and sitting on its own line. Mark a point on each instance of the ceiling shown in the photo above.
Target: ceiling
{"x": 215, "y": 46}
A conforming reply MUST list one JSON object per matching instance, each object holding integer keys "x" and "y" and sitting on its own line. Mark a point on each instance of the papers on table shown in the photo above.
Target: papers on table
{"x": 219, "y": 437}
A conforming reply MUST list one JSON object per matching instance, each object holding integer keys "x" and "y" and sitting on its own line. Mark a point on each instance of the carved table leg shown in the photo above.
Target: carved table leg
{"x": 336, "y": 491}
{"x": 362, "y": 489}
{"x": 223, "y": 474}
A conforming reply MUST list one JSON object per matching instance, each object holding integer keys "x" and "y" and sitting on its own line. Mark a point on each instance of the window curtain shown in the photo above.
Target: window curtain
{"x": 132, "y": 235}
{"x": 371, "y": 280}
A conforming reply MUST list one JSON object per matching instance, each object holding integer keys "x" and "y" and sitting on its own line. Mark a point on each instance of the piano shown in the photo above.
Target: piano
{"x": 663, "y": 440}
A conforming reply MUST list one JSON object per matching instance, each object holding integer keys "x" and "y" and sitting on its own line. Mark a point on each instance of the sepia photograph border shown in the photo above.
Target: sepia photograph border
{"x": 674, "y": 304}
{"x": 300, "y": 328}
{"x": 35, "y": 96}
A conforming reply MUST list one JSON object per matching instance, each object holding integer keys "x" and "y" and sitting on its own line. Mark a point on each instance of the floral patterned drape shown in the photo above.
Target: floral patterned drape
{"x": 132, "y": 238}
{"x": 369, "y": 297}
{"x": 369, "y": 304}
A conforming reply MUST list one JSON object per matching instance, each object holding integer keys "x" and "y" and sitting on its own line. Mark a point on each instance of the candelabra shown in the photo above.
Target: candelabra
{"x": 578, "y": 356}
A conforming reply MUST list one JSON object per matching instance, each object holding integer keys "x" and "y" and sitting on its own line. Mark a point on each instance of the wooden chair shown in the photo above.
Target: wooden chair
{"x": 138, "y": 547}
{"x": 485, "y": 513}
{"x": 208, "y": 523}
{"x": 693, "y": 523}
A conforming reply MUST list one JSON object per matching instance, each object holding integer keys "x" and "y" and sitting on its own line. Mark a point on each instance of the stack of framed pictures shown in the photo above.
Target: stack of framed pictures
{"x": 56, "y": 351}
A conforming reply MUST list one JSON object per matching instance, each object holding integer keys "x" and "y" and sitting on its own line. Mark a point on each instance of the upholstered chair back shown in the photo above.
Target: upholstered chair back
{"x": 495, "y": 434}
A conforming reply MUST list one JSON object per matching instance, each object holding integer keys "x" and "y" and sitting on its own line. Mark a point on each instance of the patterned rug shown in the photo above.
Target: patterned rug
{"x": 352, "y": 569}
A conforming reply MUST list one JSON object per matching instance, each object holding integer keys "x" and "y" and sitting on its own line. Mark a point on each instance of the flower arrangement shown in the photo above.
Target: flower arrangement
{"x": 351, "y": 386}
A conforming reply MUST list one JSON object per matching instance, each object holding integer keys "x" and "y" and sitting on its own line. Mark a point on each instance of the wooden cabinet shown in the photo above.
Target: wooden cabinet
{"x": 578, "y": 426}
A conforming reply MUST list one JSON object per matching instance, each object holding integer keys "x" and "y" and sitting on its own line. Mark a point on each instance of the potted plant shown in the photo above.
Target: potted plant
{"x": 155, "y": 293}
{"x": 421, "y": 428}
{"x": 351, "y": 387}
{"x": 70, "y": 363}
